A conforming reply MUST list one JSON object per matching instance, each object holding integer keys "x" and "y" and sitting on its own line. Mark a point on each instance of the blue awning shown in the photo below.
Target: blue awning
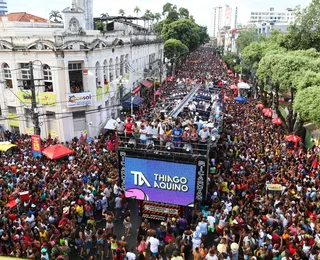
{"x": 136, "y": 101}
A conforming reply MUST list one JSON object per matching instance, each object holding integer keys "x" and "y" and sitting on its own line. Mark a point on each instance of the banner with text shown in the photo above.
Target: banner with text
{"x": 36, "y": 146}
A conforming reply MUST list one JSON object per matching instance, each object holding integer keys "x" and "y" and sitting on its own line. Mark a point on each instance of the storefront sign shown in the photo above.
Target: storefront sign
{"x": 29, "y": 131}
{"x": 13, "y": 119}
{"x": 47, "y": 98}
{"x": 99, "y": 93}
{"x": 53, "y": 134}
{"x": 79, "y": 99}
{"x": 25, "y": 96}
{"x": 36, "y": 146}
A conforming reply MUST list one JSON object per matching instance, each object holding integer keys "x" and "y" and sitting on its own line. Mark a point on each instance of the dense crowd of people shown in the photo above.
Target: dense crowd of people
{"x": 52, "y": 207}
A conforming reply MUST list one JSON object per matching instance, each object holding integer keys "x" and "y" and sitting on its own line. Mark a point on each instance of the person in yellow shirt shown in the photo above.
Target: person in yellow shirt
{"x": 43, "y": 235}
{"x": 79, "y": 212}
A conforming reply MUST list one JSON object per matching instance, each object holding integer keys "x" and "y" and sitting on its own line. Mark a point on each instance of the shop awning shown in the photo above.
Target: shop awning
{"x": 136, "y": 101}
{"x": 136, "y": 90}
{"x": 5, "y": 146}
{"x": 147, "y": 84}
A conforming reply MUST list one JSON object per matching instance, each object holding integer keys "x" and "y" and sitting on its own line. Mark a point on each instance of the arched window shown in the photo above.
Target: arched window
{"x": 47, "y": 78}
{"x": 111, "y": 70}
{"x": 105, "y": 71}
{"x": 7, "y": 75}
{"x": 98, "y": 83}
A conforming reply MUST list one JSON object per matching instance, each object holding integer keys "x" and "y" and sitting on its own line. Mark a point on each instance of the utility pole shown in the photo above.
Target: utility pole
{"x": 34, "y": 111}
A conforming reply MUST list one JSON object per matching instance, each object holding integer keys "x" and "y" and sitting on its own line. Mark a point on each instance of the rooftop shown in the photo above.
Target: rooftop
{"x": 23, "y": 17}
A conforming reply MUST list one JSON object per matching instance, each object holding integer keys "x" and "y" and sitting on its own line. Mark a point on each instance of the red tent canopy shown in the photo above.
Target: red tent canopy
{"x": 56, "y": 151}
{"x": 293, "y": 138}
{"x": 277, "y": 121}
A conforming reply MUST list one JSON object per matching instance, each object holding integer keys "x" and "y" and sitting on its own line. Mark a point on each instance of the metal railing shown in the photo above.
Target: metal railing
{"x": 176, "y": 111}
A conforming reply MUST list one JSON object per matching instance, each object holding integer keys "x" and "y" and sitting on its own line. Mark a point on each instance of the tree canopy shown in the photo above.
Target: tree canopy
{"x": 179, "y": 24}
{"x": 184, "y": 30}
{"x": 304, "y": 33}
{"x": 246, "y": 37}
{"x": 175, "y": 49}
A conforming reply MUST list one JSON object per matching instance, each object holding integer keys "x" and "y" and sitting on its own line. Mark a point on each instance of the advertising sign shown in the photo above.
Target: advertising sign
{"x": 79, "y": 99}
{"x": 36, "y": 145}
{"x": 47, "y": 98}
{"x": 13, "y": 119}
{"x": 25, "y": 96}
{"x": 159, "y": 181}
{"x": 159, "y": 211}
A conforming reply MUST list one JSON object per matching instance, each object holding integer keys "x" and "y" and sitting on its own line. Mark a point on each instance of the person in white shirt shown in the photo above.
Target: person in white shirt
{"x": 154, "y": 246}
{"x": 211, "y": 255}
{"x": 130, "y": 255}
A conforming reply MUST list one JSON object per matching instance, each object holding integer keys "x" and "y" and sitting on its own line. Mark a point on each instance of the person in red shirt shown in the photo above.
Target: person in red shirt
{"x": 128, "y": 127}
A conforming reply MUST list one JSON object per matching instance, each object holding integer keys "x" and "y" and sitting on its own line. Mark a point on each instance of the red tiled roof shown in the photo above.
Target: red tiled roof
{"x": 24, "y": 17}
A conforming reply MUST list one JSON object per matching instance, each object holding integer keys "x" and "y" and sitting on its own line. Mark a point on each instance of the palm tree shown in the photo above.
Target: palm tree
{"x": 55, "y": 15}
{"x": 104, "y": 15}
{"x": 137, "y": 10}
{"x": 157, "y": 17}
{"x": 122, "y": 12}
{"x": 148, "y": 15}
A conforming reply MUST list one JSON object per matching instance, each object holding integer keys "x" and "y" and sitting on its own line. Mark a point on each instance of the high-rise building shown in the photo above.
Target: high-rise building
{"x": 3, "y": 7}
{"x": 272, "y": 16}
{"x": 223, "y": 18}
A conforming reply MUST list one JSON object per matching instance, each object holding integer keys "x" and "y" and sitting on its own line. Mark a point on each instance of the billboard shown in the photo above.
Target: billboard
{"x": 159, "y": 181}
{"x": 79, "y": 99}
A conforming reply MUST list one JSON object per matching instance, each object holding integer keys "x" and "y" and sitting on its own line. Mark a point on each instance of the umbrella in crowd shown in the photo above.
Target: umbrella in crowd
{"x": 260, "y": 106}
{"x": 233, "y": 87}
{"x": 57, "y": 151}
{"x": 229, "y": 71}
{"x": 277, "y": 121}
{"x": 293, "y": 138}
{"x": 268, "y": 113}
{"x": 281, "y": 99}
{"x": 240, "y": 99}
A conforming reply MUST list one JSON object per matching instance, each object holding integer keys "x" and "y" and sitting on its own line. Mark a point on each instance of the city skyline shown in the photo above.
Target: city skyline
{"x": 201, "y": 12}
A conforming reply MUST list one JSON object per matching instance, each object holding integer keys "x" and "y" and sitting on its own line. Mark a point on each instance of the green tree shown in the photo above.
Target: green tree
{"x": 121, "y": 12}
{"x": 307, "y": 102}
{"x": 104, "y": 15}
{"x": 148, "y": 15}
{"x": 137, "y": 10}
{"x": 157, "y": 17}
{"x": 99, "y": 26}
{"x": 55, "y": 15}
{"x": 184, "y": 30}
{"x": 305, "y": 32}
{"x": 183, "y": 12}
{"x": 246, "y": 36}
{"x": 175, "y": 50}
{"x": 204, "y": 36}
{"x": 167, "y": 8}
{"x": 230, "y": 59}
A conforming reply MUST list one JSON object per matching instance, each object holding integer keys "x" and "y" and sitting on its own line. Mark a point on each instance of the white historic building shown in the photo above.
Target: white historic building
{"x": 79, "y": 74}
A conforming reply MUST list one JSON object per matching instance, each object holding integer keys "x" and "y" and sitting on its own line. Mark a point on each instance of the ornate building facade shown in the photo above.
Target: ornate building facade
{"x": 79, "y": 74}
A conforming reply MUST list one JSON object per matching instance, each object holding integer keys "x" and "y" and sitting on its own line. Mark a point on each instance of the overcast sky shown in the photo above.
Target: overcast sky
{"x": 200, "y": 9}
